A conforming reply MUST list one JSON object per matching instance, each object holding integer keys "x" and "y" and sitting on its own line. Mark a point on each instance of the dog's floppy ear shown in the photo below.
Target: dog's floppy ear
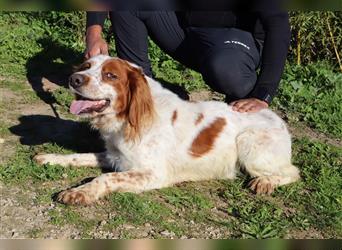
{"x": 140, "y": 111}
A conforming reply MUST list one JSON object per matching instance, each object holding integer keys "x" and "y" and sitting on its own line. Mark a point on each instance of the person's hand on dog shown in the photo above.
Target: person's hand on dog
{"x": 95, "y": 43}
{"x": 249, "y": 105}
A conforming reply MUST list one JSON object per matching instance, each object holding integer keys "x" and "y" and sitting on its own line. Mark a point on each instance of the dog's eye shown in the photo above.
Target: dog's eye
{"x": 110, "y": 76}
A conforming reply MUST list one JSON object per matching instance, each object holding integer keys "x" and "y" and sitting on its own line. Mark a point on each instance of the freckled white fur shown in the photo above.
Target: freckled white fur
{"x": 258, "y": 143}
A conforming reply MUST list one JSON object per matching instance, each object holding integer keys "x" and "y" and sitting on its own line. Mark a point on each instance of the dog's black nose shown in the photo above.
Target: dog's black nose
{"x": 76, "y": 80}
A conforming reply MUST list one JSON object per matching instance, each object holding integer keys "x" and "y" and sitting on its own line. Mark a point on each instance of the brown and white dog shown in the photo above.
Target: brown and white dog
{"x": 154, "y": 139}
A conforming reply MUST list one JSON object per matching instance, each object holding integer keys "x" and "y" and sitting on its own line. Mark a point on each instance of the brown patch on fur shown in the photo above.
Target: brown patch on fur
{"x": 117, "y": 178}
{"x": 136, "y": 175}
{"x": 127, "y": 179}
{"x": 199, "y": 119}
{"x": 134, "y": 103}
{"x": 174, "y": 117}
{"x": 86, "y": 80}
{"x": 204, "y": 141}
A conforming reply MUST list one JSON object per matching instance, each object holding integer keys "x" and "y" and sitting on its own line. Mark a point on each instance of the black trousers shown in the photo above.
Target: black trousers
{"x": 227, "y": 58}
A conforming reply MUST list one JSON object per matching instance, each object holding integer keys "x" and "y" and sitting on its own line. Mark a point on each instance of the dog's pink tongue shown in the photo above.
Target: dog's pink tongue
{"x": 78, "y": 106}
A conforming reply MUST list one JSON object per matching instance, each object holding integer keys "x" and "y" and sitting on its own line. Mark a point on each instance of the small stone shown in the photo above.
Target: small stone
{"x": 167, "y": 233}
{"x": 2, "y": 141}
{"x": 102, "y": 223}
{"x": 128, "y": 226}
{"x": 147, "y": 225}
{"x": 183, "y": 237}
{"x": 65, "y": 175}
{"x": 144, "y": 234}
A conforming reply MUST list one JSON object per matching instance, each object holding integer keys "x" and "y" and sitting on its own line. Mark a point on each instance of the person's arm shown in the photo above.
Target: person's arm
{"x": 95, "y": 44}
{"x": 276, "y": 45}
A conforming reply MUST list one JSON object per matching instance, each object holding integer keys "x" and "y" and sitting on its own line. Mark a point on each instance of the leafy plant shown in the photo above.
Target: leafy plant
{"x": 314, "y": 95}
{"x": 316, "y": 36}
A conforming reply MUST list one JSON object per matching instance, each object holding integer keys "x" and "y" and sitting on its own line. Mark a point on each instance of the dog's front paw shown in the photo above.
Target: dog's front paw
{"x": 42, "y": 159}
{"x": 262, "y": 185}
{"x": 76, "y": 196}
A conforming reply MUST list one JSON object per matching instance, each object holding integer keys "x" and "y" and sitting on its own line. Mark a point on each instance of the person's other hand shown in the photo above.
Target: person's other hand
{"x": 96, "y": 45}
{"x": 250, "y": 105}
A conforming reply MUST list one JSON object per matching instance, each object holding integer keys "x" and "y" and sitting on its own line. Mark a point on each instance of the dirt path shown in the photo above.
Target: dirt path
{"x": 21, "y": 216}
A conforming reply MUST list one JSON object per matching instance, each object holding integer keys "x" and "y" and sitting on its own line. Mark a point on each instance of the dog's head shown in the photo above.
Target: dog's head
{"x": 107, "y": 86}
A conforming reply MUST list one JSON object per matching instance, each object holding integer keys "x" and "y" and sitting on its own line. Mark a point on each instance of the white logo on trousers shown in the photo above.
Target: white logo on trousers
{"x": 237, "y": 42}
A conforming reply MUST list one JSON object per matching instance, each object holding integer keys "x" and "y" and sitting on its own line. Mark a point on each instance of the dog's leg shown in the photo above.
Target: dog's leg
{"x": 266, "y": 156}
{"x": 134, "y": 181}
{"x": 74, "y": 160}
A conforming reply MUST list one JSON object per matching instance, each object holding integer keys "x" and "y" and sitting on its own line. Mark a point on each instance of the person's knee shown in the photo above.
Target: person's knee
{"x": 228, "y": 76}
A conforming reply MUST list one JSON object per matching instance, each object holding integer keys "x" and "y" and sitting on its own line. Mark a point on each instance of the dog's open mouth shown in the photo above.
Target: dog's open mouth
{"x": 84, "y": 105}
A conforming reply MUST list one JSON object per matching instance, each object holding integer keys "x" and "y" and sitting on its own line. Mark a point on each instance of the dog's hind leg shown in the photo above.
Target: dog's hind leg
{"x": 134, "y": 181}
{"x": 266, "y": 157}
{"x": 74, "y": 160}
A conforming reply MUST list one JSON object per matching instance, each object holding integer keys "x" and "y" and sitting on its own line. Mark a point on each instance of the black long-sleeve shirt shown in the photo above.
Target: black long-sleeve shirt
{"x": 262, "y": 18}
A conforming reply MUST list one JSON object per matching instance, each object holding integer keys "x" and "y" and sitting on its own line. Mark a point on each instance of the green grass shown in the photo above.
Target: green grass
{"x": 69, "y": 216}
{"x": 140, "y": 209}
{"x": 17, "y": 34}
{"x": 169, "y": 70}
{"x": 190, "y": 199}
{"x": 3, "y": 128}
{"x": 313, "y": 203}
{"x": 63, "y": 98}
{"x": 20, "y": 87}
{"x": 320, "y": 196}
{"x": 21, "y": 167}
{"x": 313, "y": 94}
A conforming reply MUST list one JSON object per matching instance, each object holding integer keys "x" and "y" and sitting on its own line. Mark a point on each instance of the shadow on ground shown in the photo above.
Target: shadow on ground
{"x": 40, "y": 129}
{"x": 53, "y": 64}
